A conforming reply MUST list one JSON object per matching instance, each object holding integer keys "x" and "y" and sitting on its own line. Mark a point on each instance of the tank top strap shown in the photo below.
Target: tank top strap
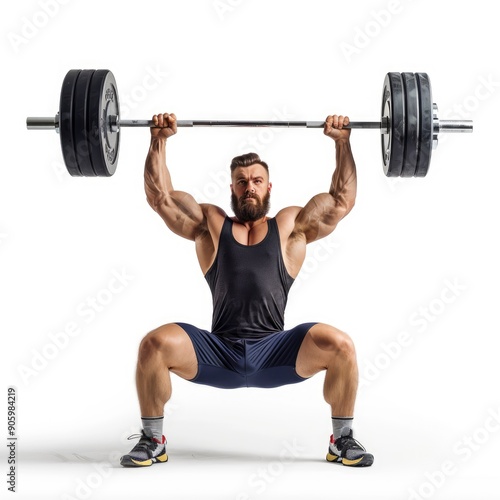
{"x": 273, "y": 227}
{"x": 227, "y": 229}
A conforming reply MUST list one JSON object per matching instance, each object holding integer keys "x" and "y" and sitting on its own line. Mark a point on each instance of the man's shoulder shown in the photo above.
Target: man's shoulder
{"x": 210, "y": 210}
{"x": 286, "y": 218}
{"x": 214, "y": 218}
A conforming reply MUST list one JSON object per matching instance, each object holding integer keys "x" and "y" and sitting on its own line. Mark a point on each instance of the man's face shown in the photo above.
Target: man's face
{"x": 250, "y": 192}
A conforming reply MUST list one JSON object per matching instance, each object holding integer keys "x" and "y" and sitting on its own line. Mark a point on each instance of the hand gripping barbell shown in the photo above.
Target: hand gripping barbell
{"x": 89, "y": 123}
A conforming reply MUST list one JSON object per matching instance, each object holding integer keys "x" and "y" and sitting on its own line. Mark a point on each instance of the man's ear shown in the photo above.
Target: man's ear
{"x": 269, "y": 187}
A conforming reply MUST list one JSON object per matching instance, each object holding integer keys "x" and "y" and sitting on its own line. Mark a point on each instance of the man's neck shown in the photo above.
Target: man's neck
{"x": 251, "y": 223}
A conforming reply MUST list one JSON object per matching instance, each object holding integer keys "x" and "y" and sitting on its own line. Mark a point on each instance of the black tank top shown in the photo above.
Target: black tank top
{"x": 249, "y": 285}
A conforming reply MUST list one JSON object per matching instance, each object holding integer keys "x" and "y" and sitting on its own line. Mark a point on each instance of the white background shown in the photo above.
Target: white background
{"x": 416, "y": 260}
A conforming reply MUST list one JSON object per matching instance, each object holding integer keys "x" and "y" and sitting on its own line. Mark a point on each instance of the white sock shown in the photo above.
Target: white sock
{"x": 153, "y": 427}
{"x": 340, "y": 422}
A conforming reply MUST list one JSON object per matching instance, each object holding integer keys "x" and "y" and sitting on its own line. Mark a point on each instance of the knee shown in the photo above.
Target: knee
{"x": 160, "y": 341}
{"x": 331, "y": 339}
{"x": 346, "y": 347}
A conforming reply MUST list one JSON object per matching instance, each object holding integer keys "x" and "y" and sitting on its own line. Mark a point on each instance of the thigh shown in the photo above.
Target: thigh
{"x": 175, "y": 348}
{"x": 320, "y": 344}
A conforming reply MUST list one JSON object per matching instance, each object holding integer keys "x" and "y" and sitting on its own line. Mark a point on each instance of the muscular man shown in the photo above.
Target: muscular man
{"x": 250, "y": 262}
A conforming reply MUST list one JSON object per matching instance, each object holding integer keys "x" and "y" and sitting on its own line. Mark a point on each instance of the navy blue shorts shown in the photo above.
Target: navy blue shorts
{"x": 232, "y": 363}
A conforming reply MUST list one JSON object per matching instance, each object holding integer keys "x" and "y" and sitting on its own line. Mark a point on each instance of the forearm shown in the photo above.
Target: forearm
{"x": 157, "y": 181}
{"x": 344, "y": 183}
{"x": 179, "y": 210}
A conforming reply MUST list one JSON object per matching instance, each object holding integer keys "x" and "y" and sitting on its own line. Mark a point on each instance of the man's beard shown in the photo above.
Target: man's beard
{"x": 250, "y": 211}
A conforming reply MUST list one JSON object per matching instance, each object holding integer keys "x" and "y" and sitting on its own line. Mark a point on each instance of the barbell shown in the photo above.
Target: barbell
{"x": 89, "y": 123}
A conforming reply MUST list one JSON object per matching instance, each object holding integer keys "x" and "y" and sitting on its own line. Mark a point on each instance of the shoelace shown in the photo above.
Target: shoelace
{"x": 144, "y": 442}
{"x": 134, "y": 436}
{"x": 348, "y": 442}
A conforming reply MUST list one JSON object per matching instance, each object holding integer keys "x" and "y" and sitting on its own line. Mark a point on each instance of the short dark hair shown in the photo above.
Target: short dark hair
{"x": 246, "y": 160}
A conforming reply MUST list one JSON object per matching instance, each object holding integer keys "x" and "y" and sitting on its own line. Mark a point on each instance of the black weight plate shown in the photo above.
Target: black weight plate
{"x": 66, "y": 116}
{"x": 393, "y": 142}
{"x": 103, "y": 143}
{"x": 80, "y": 128}
{"x": 426, "y": 125}
{"x": 411, "y": 132}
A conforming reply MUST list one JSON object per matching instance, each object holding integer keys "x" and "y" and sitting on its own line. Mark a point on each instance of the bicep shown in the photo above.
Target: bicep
{"x": 319, "y": 217}
{"x": 182, "y": 214}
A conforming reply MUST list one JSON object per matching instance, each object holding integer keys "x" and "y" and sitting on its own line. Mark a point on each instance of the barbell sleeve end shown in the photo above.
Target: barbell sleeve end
{"x": 42, "y": 122}
{"x": 455, "y": 126}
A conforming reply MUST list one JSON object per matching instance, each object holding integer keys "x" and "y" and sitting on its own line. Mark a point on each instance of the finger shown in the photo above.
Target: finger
{"x": 328, "y": 124}
{"x": 155, "y": 120}
{"x": 172, "y": 122}
{"x": 346, "y": 121}
{"x": 341, "y": 122}
{"x": 335, "y": 121}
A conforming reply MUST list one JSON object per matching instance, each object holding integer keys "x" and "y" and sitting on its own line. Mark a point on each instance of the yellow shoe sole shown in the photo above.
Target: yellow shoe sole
{"x": 364, "y": 461}
{"x": 127, "y": 461}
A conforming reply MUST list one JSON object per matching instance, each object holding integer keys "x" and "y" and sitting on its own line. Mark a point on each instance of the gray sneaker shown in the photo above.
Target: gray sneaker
{"x": 347, "y": 450}
{"x": 146, "y": 452}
